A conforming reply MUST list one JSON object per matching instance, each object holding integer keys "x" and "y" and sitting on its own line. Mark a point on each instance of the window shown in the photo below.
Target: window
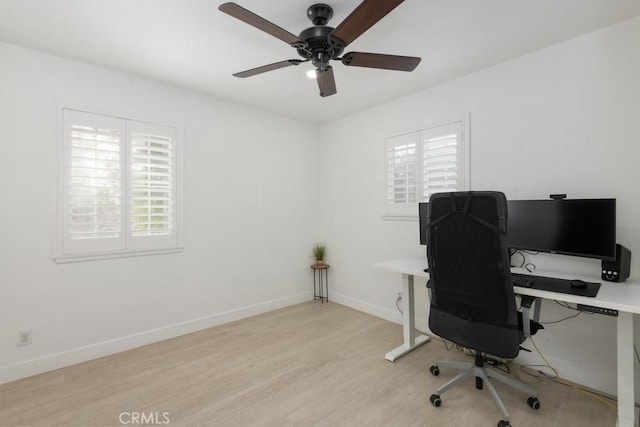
{"x": 421, "y": 163}
{"x": 119, "y": 193}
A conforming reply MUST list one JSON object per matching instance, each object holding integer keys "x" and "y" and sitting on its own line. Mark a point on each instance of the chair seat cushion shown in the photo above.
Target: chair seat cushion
{"x": 497, "y": 340}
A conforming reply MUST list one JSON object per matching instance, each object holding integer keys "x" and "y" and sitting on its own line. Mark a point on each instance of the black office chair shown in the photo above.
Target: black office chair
{"x": 472, "y": 299}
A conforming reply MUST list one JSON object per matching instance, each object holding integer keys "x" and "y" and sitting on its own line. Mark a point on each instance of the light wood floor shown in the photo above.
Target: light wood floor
{"x": 310, "y": 364}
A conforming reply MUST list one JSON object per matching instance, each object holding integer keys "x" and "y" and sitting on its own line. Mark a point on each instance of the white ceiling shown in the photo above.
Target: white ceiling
{"x": 191, "y": 44}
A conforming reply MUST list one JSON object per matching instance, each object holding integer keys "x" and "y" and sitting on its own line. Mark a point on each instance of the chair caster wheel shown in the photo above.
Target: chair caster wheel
{"x": 435, "y": 400}
{"x": 435, "y": 371}
{"x": 533, "y": 402}
{"x": 503, "y": 423}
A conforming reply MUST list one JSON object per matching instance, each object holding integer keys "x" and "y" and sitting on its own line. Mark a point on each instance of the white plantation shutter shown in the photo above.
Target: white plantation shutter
{"x": 402, "y": 169}
{"x": 119, "y": 192}
{"x": 421, "y": 163}
{"x": 151, "y": 191}
{"x": 151, "y": 184}
{"x": 93, "y": 193}
{"x": 441, "y": 161}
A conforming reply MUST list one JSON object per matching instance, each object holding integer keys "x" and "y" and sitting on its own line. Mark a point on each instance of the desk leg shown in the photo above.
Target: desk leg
{"x": 411, "y": 341}
{"x": 626, "y": 381}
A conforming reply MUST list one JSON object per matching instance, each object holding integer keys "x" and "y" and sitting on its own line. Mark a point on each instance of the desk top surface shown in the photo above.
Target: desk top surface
{"x": 624, "y": 296}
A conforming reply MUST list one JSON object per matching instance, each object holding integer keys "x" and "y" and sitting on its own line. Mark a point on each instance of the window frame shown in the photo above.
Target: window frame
{"x": 60, "y": 253}
{"x": 409, "y": 211}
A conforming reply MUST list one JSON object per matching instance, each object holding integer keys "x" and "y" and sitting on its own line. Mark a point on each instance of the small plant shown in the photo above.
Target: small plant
{"x": 318, "y": 252}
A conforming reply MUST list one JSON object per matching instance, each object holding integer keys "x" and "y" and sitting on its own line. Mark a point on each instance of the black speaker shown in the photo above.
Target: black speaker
{"x": 618, "y": 270}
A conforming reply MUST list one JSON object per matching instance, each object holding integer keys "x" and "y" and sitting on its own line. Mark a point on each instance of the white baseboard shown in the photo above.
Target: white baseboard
{"x": 51, "y": 362}
{"x": 365, "y": 307}
{"x": 596, "y": 380}
{"x": 422, "y": 324}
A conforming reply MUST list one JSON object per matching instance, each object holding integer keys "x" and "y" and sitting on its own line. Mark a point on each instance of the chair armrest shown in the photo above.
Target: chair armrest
{"x": 526, "y": 302}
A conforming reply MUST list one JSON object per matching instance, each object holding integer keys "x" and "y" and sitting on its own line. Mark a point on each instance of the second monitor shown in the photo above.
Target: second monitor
{"x": 578, "y": 227}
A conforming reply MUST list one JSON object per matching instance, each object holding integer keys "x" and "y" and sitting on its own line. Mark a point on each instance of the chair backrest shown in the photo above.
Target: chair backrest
{"x": 472, "y": 299}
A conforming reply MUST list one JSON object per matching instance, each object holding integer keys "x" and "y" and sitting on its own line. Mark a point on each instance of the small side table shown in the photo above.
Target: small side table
{"x": 321, "y": 285}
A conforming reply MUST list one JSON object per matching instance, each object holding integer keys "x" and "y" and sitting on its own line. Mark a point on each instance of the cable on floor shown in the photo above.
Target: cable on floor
{"x": 556, "y": 378}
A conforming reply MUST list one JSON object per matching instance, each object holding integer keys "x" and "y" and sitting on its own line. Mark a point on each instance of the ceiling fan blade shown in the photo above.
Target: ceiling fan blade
{"x": 270, "y": 67}
{"x": 326, "y": 81}
{"x": 361, "y": 19}
{"x": 259, "y": 22}
{"x": 379, "y": 60}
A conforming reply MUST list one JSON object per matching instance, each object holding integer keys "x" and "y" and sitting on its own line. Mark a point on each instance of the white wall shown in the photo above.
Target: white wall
{"x": 249, "y": 218}
{"x": 561, "y": 120}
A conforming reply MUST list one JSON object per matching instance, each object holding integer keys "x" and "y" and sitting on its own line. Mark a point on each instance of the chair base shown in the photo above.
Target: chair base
{"x": 482, "y": 375}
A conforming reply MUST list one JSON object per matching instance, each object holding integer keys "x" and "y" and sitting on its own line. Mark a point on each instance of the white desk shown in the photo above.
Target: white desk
{"x": 624, "y": 297}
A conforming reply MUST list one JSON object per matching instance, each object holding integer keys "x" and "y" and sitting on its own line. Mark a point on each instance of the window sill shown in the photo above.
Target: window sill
{"x": 66, "y": 259}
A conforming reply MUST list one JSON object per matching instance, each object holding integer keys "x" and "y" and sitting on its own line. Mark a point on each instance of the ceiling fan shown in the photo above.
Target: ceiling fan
{"x": 321, "y": 44}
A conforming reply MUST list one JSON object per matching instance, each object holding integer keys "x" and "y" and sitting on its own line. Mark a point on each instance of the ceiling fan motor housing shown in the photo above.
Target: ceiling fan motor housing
{"x": 316, "y": 41}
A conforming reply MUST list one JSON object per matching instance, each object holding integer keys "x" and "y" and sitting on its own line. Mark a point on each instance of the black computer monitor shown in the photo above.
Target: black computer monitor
{"x": 579, "y": 227}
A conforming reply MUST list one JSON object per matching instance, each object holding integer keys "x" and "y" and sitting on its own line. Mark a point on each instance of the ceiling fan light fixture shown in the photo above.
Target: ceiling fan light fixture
{"x": 312, "y": 74}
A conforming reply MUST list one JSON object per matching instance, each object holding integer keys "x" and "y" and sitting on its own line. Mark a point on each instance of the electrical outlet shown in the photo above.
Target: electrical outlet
{"x": 24, "y": 337}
